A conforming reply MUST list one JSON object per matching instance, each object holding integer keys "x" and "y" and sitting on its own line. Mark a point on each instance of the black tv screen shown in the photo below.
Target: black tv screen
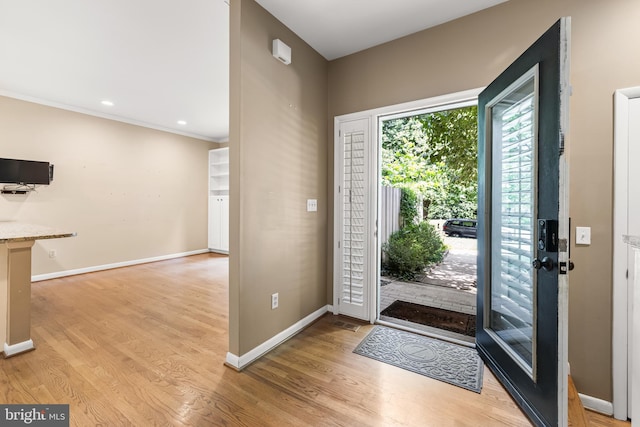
{"x": 14, "y": 171}
{"x": 9, "y": 170}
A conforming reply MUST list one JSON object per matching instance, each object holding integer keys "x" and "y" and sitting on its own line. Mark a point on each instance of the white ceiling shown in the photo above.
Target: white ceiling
{"x": 160, "y": 62}
{"x": 337, "y": 28}
{"x": 157, "y": 61}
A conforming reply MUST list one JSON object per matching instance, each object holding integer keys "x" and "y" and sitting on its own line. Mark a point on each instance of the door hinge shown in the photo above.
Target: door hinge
{"x": 561, "y": 143}
{"x": 338, "y": 244}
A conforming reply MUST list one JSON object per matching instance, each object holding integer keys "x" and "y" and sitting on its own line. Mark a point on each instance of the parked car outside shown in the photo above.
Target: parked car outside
{"x": 458, "y": 227}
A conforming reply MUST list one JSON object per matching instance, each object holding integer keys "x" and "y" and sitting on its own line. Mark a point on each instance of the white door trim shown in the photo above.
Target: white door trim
{"x": 620, "y": 251}
{"x": 374, "y": 115}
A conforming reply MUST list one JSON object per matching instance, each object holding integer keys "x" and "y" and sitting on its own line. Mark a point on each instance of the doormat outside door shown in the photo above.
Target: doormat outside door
{"x": 440, "y": 360}
{"x": 430, "y": 316}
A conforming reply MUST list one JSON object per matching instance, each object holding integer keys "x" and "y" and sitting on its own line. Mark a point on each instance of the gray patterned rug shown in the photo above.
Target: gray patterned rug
{"x": 451, "y": 363}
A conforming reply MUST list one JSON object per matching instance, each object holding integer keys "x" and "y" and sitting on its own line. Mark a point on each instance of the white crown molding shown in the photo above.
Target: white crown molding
{"x": 107, "y": 116}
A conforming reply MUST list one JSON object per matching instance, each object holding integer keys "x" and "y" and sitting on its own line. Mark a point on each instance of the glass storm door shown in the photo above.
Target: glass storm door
{"x": 523, "y": 227}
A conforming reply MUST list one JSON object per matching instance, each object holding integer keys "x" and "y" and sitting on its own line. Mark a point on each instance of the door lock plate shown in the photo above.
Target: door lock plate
{"x": 548, "y": 235}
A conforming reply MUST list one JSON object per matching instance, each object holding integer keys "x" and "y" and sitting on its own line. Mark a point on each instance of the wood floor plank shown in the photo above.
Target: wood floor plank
{"x": 598, "y": 420}
{"x": 145, "y": 345}
{"x": 577, "y": 415}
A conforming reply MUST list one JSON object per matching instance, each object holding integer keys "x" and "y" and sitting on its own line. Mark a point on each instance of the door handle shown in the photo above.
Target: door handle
{"x": 546, "y": 263}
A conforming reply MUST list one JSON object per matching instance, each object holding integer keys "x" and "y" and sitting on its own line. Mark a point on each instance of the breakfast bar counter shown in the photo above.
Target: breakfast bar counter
{"x": 16, "y": 240}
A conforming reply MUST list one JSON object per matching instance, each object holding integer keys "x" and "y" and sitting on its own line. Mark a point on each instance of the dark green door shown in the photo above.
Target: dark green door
{"x": 523, "y": 227}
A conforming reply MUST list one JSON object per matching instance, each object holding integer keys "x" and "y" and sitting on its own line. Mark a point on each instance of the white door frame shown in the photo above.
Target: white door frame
{"x": 374, "y": 115}
{"x": 621, "y": 298}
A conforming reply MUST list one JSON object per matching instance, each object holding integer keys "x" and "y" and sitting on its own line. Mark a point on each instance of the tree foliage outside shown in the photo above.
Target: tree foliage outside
{"x": 408, "y": 206}
{"x": 412, "y": 249}
{"x": 435, "y": 155}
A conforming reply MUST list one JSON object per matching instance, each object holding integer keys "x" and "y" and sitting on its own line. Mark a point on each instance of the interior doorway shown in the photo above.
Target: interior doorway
{"x": 428, "y": 209}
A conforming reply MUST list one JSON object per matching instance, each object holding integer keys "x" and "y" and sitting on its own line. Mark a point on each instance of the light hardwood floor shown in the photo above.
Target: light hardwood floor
{"x": 145, "y": 346}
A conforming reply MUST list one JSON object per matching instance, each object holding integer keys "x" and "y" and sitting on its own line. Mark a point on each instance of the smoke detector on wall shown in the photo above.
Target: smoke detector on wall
{"x": 281, "y": 51}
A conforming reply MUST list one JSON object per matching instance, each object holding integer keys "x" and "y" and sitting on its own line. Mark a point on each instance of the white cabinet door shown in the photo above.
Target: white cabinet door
{"x": 224, "y": 223}
{"x": 214, "y": 240}
{"x": 219, "y": 223}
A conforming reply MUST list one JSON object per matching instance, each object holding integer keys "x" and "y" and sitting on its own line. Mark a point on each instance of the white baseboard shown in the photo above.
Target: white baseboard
{"x": 597, "y": 405}
{"x": 219, "y": 251}
{"x": 21, "y": 347}
{"x": 93, "y": 269}
{"x": 241, "y": 362}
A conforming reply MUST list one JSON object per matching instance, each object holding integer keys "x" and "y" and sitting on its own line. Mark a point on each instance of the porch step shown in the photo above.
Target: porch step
{"x": 577, "y": 415}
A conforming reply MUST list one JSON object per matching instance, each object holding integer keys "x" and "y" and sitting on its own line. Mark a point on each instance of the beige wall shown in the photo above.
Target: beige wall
{"x": 278, "y": 160}
{"x": 134, "y": 193}
{"x": 129, "y": 192}
{"x": 469, "y": 53}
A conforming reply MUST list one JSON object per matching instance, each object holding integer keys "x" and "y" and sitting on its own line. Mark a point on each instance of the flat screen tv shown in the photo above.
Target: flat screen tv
{"x": 14, "y": 171}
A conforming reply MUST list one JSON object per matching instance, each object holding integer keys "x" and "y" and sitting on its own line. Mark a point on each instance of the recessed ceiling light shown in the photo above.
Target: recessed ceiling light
{"x": 182, "y": 122}
{"x": 107, "y": 103}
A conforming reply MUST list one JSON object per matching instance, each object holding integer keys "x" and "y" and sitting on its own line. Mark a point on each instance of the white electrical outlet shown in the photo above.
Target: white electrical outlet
{"x": 312, "y": 205}
{"x": 583, "y": 235}
{"x": 52, "y": 253}
{"x": 274, "y": 301}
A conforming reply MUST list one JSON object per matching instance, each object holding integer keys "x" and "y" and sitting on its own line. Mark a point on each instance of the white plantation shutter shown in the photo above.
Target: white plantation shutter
{"x": 354, "y": 211}
{"x": 514, "y": 211}
{"x": 351, "y": 228}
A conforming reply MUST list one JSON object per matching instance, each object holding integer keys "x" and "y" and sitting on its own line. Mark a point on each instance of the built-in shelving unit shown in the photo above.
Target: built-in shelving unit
{"x": 219, "y": 172}
{"x": 219, "y": 200}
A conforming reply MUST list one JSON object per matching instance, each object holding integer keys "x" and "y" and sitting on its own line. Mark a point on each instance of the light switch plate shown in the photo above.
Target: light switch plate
{"x": 312, "y": 205}
{"x": 583, "y": 235}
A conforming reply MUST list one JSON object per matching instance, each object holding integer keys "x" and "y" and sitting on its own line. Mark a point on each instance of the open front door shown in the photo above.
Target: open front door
{"x": 523, "y": 227}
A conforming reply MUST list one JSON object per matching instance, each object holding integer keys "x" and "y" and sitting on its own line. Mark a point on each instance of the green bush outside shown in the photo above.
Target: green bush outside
{"x": 412, "y": 249}
{"x": 408, "y": 206}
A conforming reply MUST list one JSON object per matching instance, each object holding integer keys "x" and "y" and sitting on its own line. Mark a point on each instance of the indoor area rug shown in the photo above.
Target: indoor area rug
{"x": 430, "y": 316}
{"x": 440, "y": 360}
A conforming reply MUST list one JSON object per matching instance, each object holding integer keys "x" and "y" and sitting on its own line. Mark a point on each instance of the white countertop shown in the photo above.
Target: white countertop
{"x": 632, "y": 240}
{"x": 12, "y": 231}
